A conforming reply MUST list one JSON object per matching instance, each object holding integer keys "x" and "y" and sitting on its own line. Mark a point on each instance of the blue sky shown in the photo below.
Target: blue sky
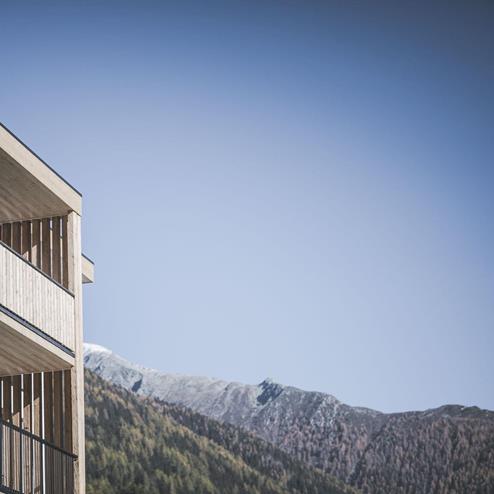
{"x": 300, "y": 190}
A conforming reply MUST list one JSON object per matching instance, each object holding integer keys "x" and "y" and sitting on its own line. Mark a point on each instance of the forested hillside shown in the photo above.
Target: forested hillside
{"x": 136, "y": 446}
{"x": 443, "y": 450}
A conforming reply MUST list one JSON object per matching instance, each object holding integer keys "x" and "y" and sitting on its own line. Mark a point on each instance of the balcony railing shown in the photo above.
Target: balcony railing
{"x": 30, "y": 465}
{"x": 35, "y": 298}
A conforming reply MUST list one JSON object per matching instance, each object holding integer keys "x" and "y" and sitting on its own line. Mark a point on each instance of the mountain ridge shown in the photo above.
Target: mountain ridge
{"x": 358, "y": 445}
{"x": 138, "y": 445}
{"x": 92, "y": 350}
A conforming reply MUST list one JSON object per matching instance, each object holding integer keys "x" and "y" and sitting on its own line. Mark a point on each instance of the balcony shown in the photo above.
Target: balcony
{"x": 34, "y": 298}
{"x": 37, "y": 309}
{"x": 29, "y": 464}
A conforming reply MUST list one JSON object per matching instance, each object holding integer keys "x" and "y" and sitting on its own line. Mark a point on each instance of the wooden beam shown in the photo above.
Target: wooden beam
{"x": 46, "y": 246}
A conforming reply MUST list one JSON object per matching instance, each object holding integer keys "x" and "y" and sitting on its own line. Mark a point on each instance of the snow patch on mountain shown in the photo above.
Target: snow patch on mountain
{"x": 94, "y": 348}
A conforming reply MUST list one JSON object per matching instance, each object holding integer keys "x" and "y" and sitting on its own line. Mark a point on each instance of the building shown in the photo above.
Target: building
{"x": 41, "y": 368}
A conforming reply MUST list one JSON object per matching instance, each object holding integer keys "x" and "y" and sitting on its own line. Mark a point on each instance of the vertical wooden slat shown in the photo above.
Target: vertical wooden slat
{"x": 46, "y": 246}
{"x": 6, "y": 411}
{"x": 27, "y": 425}
{"x": 36, "y": 243}
{"x": 67, "y": 386}
{"x": 26, "y": 240}
{"x": 17, "y": 421}
{"x": 36, "y": 426}
{"x": 65, "y": 253}
{"x": 16, "y": 236}
{"x": 16, "y": 400}
{"x": 57, "y": 408}
{"x": 27, "y": 385}
{"x": 48, "y": 406}
{"x": 56, "y": 250}
{"x": 7, "y": 234}
{"x": 37, "y": 430}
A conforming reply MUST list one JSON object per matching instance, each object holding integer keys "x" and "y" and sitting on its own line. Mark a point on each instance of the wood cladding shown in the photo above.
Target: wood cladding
{"x": 35, "y": 445}
{"x": 33, "y": 296}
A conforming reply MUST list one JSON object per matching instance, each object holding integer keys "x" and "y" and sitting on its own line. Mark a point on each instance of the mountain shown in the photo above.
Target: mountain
{"x": 142, "y": 446}
{"x": 444, "y": 450}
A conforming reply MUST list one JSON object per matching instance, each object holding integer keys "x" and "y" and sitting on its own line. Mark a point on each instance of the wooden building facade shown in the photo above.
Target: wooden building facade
{"x": 41, "y": 363}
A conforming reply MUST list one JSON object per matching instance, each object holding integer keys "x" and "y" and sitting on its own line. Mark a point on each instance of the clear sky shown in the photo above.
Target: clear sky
{"x": 299, "y": 190}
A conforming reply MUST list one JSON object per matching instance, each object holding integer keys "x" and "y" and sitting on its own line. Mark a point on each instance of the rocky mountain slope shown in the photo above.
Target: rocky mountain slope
{"x": 141, "y": 446}
{"x": 449, "y": 449}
